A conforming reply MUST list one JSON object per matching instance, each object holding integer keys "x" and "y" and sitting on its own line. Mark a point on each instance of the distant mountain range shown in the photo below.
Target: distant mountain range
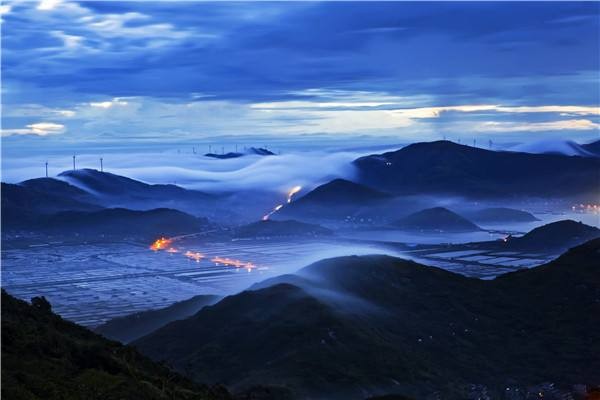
{"x": 133, "y": 326}
{"x": 354, "y": 327}
{"x": 112, "y": 190}
{"x": 437, "y": 219}
{"x": 445, "y": 167}
{"x": 80, "y": 196}
{"x": 274, "y": 229}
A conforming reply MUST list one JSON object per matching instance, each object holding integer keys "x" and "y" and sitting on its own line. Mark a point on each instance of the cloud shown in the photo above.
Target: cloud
{"x": 266, "y": 51}
{"x": 5, "y": 9}
{"x": 47, "y": 5}
{"x": 71, "y": 42}
{"x": 133, "y": 70}
{"x": 571, "y": 124}
{"x": 108, "y": 104}
{"x": 38, "y": 129}
{"x": 36, "y": 111}
{"x": 130, "y": 25}
{"x": 360, "y": 100}
{"x": 270, "y": 173}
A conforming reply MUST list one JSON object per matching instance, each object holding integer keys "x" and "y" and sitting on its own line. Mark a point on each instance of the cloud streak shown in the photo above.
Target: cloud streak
{"x": 37, "y": 129}
{"x": 569, "y": 125}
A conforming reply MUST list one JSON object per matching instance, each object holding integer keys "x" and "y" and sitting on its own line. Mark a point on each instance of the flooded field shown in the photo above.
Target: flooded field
{"x": 90, "y": 283}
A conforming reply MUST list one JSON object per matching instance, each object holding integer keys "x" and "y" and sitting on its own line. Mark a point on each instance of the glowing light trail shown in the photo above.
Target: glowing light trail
{"x": 194, "y": 255}
{"x": 165, "y": 244}
{"x": 290, "y": 196}
{"x": 292, "y": 192}
{"x": 161, "y": 244}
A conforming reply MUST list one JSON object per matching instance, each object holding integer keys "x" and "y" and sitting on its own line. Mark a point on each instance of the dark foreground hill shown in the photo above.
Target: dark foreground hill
{"x": 46, "y": 357}
{"x": 444, "y": 167}
{"x": 438, "y": 219}
{"x": 354, "y": 327}
{"x": 270, "y": 228}
{"x": 333, "y": 199}
{"x": 133, "y": 326}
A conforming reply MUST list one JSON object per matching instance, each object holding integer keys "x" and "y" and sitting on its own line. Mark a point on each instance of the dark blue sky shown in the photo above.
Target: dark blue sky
{"x": 129, "y": 71}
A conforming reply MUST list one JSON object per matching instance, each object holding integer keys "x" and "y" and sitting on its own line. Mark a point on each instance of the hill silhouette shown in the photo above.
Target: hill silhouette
{"x": 554, "y": 236}
{"x": 133, "y": 326}
{"x": 437, "y": 219}
{"x": 500, "y": 215}
{"x": 354, "y": 327}
{"x": 271, "y": 228}
{"x": 46, "y": 357}
{"x": 333, "y": 199}
{"x": 121, "y": 221}
{"x": 444, "y": 167}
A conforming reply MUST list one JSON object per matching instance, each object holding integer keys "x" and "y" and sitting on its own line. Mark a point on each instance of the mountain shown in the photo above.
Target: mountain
{"x": 121, "y": 221}
{"x": 22, "y": 205}
{"x": 261, "y": 151}
{"x": 224, "y": 156}
{"x": 57, "y": 187}
{"x": 130, "y": 327}
{"x": 444, "y": 167}
{"x": 336, "y": 198}
{"x": 112, "y": 190}
{"x": 436, "y": 219}
{"x": 555, "y": 236}
{"x": 354, "y": 327}
{"x": 270, "y": 228}
{"x": 46, "y": 357}
{"x": 252, "y": 150}
{"x": 563, "y": 147}
{"x": 500, "y": 215}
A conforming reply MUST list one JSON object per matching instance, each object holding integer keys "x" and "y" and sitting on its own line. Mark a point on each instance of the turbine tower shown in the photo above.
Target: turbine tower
{"x": 101, "y": 165}
{"x": 73, "y": 162}
{"x": 46, "y": 169}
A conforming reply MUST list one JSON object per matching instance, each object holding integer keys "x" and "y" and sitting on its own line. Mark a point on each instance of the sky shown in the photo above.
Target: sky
{"x": 118, "y": 74}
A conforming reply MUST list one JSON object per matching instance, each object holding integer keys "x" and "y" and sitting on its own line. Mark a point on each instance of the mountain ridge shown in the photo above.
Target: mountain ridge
{"x": 444, "y": 167}
{"x": 432, "y": 327}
